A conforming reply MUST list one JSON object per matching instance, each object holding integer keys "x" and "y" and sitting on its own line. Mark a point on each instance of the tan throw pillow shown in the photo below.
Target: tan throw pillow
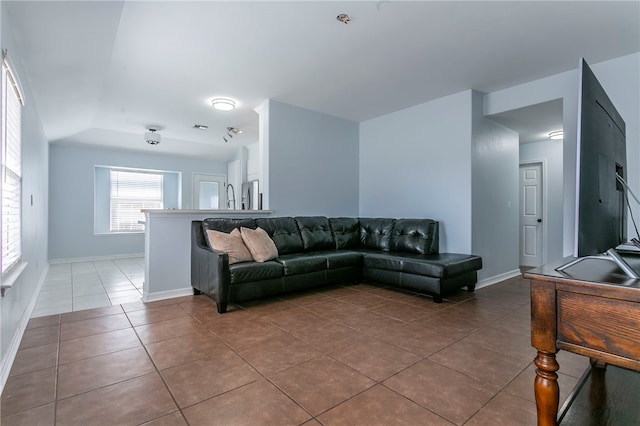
{"x": 259, "y": 243}
{"x": 231, "y": 244}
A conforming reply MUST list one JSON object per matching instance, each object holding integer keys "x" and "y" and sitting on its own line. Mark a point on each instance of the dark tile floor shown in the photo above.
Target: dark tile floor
{"x": 355, "y": 355}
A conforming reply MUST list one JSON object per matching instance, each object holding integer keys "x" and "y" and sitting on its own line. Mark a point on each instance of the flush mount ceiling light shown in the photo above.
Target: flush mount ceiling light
{"x": 223, "y": 104}
{"x": 151, "y": 137}
{"x": 556, "y": 134}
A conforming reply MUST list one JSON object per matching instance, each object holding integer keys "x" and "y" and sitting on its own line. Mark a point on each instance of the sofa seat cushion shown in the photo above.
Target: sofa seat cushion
{"x": 301, "y": 263}
{"x": 377, "y": 260}
{"x": 342, "y": 258}
{"x": 442, "y": 265}
{"x": 255, "y": 271}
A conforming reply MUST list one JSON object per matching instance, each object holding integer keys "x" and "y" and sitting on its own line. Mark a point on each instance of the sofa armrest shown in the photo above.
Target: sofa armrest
{"x": 209, "y": 268}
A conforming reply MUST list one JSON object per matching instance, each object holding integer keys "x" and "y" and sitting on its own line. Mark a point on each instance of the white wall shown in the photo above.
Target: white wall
{"x": 495, "y": 193}
{"x": 71, "y": 188}
{"x": 564, "y": 86}
{"x": 417, "y": 163}
{"x": 253, "y": 162}
{"x": 313, "y": 162}
{"x": 16, "y": 304}
{"x": 619, "y": 77}
{"x": 549, "y": 152}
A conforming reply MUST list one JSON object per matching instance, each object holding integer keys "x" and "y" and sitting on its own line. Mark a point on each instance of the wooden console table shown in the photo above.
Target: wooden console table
{"x": 590, "y": 309}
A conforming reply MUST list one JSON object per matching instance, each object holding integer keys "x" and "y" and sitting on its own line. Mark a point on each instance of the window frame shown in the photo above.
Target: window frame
{"x": 12, "y": 102}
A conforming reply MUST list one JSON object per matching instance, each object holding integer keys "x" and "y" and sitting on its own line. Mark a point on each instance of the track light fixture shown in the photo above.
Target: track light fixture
{"x": 231, "y": 132}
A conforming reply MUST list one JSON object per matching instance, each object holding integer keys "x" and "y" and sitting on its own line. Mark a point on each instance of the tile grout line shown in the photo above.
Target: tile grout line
{"x": 267, "y": 319}
{"x": 239, "y": 387}
{"x": 155, "y": 366}
{"x": 55, "y": 389}
{"x": 253, "y": 368}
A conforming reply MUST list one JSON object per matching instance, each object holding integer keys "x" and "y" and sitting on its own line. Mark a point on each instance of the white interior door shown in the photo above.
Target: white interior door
{"x": 208, "y": 192}
{"x": 531, "y": 220}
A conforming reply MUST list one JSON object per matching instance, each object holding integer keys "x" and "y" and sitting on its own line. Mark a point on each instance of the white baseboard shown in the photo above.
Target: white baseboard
{"x": 498, "y": 278}
{"x": 96, "y": 258}
{"x": 7, "y": 362}
{"x": 170, "y": 294}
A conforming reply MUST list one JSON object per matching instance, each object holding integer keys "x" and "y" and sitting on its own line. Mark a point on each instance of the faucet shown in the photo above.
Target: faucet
{"x": 232, "y": 199}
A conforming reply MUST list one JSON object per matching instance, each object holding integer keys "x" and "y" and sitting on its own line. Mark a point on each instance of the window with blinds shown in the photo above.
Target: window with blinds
{"x": 12, "y": 102}
{"x": 132, "y": 191}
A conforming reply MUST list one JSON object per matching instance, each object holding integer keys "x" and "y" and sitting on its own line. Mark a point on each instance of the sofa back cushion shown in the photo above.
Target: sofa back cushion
{"x": 346, "y": 232}
{"x": 284, "y": 233}
{"x": 315, "y": 232}
{"x": 227, "y": 224}
{"x": 375, "y": 233}
{"x": 415, "y": 236}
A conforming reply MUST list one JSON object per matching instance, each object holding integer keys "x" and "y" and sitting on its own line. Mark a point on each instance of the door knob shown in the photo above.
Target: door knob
{"x": 539, "y": 220}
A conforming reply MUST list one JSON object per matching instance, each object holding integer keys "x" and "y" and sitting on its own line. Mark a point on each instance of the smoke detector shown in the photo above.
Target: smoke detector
{"x": 152, "y": 137}
{"x": 344, "y": 18}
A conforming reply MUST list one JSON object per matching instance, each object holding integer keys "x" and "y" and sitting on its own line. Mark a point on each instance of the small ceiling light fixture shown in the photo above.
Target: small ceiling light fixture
{"x": 200, "y": 126}
{"x": 344, "y": 18}
{"x": 231, "y": 132}
{"x": 223, "y": 104}
{"x": 151, "y": 137}
{"x": 556, "y": 134}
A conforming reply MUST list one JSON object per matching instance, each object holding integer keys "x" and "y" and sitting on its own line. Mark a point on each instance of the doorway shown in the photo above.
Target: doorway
{"x": 531, "y": 214}
{"x": 208, "y": 191}
{"x": 534, "y": 123}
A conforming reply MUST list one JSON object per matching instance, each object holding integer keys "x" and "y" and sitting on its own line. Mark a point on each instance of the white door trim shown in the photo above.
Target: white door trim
{"x": 195, "y": 201}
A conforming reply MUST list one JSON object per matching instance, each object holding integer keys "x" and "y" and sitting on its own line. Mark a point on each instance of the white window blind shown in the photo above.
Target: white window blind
{"x": 132, "y": 191}
{"x": 12, "y": 102}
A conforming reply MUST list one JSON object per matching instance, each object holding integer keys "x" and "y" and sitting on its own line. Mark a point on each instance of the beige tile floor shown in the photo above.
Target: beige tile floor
{"x": 77, "y": 286}
{"x": 354, "y": 355}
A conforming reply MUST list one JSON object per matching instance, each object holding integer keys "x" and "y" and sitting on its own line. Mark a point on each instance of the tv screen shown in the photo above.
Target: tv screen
{"x": 601, "y": 222}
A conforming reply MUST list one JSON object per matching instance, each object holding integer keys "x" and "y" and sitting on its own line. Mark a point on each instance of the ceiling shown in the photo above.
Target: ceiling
{"x": 103, "y": 72}
{"x": 533, "y": 122}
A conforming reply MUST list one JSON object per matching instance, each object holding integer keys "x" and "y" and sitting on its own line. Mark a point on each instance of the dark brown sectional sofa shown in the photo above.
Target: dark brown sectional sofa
{"x": 318, "y": 251}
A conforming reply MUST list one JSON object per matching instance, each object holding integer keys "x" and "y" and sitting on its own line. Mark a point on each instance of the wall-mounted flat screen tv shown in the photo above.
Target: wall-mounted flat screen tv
{"x": 601, "y": 208}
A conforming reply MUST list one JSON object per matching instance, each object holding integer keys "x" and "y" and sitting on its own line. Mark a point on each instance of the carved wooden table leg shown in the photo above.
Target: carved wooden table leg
{"x": 546, "y": 388}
